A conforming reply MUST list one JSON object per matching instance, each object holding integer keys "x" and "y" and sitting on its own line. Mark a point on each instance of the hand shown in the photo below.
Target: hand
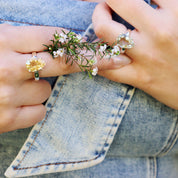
{"x": 21, "y": 97}
{"x": 154, "y": 67}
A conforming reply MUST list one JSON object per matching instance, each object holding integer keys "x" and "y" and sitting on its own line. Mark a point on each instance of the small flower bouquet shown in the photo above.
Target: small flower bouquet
{"x": 76, "y": 50}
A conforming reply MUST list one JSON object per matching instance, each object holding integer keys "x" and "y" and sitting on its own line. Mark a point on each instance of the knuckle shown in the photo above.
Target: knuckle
{"x": 100, "y": 29}
{"x": 163, "y": 36}
{"x": 6, "y": 72}
{"x": 3, "y": 33}
{"x": 6, "y": 95}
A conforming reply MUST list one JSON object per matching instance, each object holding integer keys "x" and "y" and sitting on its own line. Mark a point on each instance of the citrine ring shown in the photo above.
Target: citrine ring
{"x": 34, "y": 64}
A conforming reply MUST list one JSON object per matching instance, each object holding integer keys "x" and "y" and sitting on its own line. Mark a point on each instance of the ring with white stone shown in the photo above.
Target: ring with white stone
{"x": 34, "y": 64}
{"x": 124, "y": 41}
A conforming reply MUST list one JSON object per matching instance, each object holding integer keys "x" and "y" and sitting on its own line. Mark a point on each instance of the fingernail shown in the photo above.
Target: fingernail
{"x": 121, "y": 60}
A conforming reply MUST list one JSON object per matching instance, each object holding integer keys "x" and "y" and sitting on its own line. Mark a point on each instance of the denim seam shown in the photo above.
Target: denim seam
{"x": 171, "y": 141}
{"x": 152, "y": 167}
{"x": 118, "y": 118}
{"x": 122, "y": 108}
{"x": 47, "y": 114}
{"x": 5, "y": 20}
{"x": 155, "y": 167}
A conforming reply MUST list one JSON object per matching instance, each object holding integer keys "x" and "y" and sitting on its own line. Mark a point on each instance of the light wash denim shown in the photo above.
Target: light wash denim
{"x": 89, "y": 121}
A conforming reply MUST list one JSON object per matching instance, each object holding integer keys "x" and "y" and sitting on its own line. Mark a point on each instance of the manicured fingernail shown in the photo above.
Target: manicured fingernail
{"x": 121, "y": 60}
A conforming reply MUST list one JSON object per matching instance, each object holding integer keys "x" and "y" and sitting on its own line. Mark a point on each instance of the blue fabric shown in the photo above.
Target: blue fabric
{"x": 83, "y": 116}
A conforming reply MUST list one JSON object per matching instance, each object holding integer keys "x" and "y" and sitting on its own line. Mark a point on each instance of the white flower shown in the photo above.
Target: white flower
{"x": 79, "y": 37}
{"x": 62, "y": 37}
{"x": 95, "y": 71}
{"x": 60, "y": 52}
{"x": 103, "y": 48}
{"x": 55, "y": 54}
{"x": 115, "y": 51}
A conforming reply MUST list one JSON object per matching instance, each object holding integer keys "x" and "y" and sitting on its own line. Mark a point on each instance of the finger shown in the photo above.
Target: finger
{"x": 138, "y": 13}
{"x": 133, "y": 74}
{"x": 58, "y": 66}
{"x": 113, "y": 62}
{"x": 172, "y": 4}
{"x": 126, "y": 74}
{"x": 53, "y": 67}
{"x": 32, "y": 93}
{"x": 108, "y": 30}
{"x": 105, "y": 28}
{"x": 26, "y": 39}
{"x": 28, "y": 116}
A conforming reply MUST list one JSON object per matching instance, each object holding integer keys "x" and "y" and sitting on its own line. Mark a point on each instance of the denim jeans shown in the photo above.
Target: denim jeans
{"x": 90, "y": 121}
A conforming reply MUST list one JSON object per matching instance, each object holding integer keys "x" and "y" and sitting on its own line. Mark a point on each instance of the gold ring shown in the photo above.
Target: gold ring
{"x": 34, "y": 64}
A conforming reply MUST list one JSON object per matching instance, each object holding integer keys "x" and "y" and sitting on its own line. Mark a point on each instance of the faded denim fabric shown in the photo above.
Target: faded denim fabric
{"x": 85, "y": 116}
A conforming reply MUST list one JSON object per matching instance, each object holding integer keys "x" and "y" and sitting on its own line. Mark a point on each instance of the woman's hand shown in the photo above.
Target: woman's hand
{"x": 154, "y": 67}
{"x": 20, "y": 95}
